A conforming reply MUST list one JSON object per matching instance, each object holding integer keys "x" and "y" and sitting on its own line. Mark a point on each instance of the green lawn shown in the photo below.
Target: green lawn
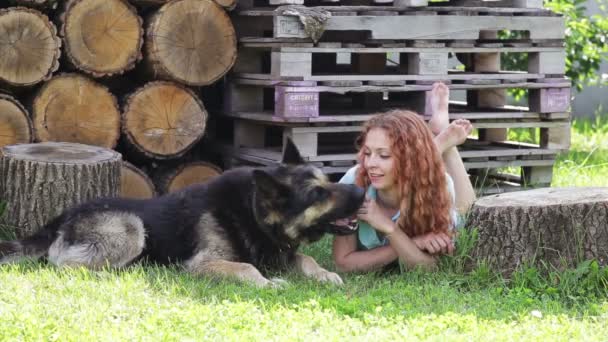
{"x": 39, "y": 302}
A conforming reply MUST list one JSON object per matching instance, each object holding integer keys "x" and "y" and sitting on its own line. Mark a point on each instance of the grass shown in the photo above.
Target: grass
{"x": 41, "y": 303}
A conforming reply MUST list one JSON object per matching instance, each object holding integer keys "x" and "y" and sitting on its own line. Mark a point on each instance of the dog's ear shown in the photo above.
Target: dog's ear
{"x": 268, "y": 188}
{"x": 291, "y": 155}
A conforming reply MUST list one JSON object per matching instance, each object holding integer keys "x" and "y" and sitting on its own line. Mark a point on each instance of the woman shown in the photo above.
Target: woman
{"x": 412, "y": 204}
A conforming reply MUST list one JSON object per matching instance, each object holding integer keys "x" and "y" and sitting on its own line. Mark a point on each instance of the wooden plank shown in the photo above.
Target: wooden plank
{"x": 505, "y": 153}
{"x": 338, "y": 10}
{"x": 549, "y": 100}
{"x": 270, "y": 43}
{"x": 239, "y": 98}
{"x": 499, "y": 3}
{"x": 428, "y": 63}
{"x": 285, "y": 64}
{"x": 556, "y": 137}
{"x": 537, "y": 175}
{"x": 497, "y": 164}
{"x": 543, "y": 124}
{"x": 427, "y": 27}
{"x": 429, "y": 69}
{"x": 296, "y": 101}
{"x": 547, "y": 62}
{"x": 564, "y": 83}
{"x": 306, "y": 142}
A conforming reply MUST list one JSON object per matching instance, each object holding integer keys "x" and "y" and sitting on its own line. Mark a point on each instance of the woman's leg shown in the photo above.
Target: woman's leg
{"x": 448, "y": 136}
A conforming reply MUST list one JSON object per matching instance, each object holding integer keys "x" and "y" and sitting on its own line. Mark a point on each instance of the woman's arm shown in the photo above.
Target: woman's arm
{"x": 407, "y": 251}
{"x": 348, "y": 259}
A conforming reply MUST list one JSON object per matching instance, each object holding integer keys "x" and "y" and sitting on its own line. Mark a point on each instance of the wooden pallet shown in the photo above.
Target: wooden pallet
{"x": 532, "y": 4}
{"x": 496, "y": 155}
{"x": 379, "y": 23}
{"x": 327, "y": 141}
{"x": 387, "y": 64}
{"x": 307, "y": 99}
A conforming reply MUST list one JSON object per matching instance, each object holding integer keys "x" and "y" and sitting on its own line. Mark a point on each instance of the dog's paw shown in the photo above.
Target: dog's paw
{"x": 328, "y": 277}
{"x": 278, "y": 283}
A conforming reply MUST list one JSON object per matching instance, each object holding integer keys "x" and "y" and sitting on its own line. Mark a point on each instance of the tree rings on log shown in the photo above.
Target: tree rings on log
{"x": 557, "y": 226}
{"x": 30, "y": 47}
{"x": 187, "y": 174}
{"x": 190, "y": 41}
{"x": 163, "y": 119}
{"x": 102, "y": 37}
{"x": 15, "y": 123}
{"x": 39, "y": 181}
{"x": 73, "y": 108}
{"x": 134, "y": 183}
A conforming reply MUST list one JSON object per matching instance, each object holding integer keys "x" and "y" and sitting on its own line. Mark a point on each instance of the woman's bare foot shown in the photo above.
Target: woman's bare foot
{"x": 440, "y": 98}
{"x": 455, "y": 134}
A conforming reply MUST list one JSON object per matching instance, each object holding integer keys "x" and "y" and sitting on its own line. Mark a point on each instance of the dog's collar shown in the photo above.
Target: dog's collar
{"x": 267, "y": 229}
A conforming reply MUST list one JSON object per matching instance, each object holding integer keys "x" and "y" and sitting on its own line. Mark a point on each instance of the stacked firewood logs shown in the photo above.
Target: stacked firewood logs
{"x": 125, "y": 75}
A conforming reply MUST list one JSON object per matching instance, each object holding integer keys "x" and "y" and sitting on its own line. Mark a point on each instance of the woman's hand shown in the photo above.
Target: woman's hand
{"x": 372, "y": 214}
{"x": 435, "y": 243}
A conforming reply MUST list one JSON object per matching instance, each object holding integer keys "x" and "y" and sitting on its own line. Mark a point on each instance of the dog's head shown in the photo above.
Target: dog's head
{"x": 297, "y": 202}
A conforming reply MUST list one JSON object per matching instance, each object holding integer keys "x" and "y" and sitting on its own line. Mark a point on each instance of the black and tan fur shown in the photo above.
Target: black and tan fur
{"x": 245, "y": 221}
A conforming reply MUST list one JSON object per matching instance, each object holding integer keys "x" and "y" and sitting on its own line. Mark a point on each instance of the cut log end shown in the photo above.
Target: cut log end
{"x": 15, "y": 123}
{"x": 545, "y": 197}
{"x": 60, "y": 152}
{"x": 188, "y": 174}
{"x": 102, "y": 37}
{"x": 163, "y": 120}
{"x": 73, "y": 108}
{"x": 191, "y": 41}
{"x": 134, "y": 183}
{"x": 30, "y": 49}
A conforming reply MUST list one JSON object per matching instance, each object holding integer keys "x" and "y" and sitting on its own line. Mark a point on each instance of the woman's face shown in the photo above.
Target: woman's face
{"x": 378, "y": 159}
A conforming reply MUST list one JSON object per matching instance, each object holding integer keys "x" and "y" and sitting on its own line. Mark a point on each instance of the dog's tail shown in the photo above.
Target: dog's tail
{"x": 33, "y": 247}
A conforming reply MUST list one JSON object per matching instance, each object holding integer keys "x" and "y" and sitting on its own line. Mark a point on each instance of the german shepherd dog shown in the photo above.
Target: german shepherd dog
{"x": 245, "y": 221}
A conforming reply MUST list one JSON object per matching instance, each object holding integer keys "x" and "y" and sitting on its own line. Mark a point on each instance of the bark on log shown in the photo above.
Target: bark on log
{"x": 40, "y": 4}
{"x": 134, "y": 183}
{"x": 190, "y": 41}
{"x": 557, "y": 226}
{"x": 30, "y": 49}
{"x": 228, "y": 5}
{"x": 73, "y": 108}
{"x": 186, "y": 174}
{"x": 15, "y": 123}
{"x": 163, "y": 120}
{"x": 102, "y": 37}
{"x": 39, "y": 181}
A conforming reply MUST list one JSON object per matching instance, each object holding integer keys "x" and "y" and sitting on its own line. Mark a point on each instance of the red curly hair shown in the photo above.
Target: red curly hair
{"x": 419, "y": 171}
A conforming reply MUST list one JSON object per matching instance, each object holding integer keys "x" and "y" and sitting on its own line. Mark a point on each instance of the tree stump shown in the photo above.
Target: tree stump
{"x": 15, "y": 123}
{"x": 73, "y": 108}
{"x": 102, "y": 37}
{"x": 197, "y": 172}
{"x": 30, "y": 47}
{"x": 190, "y": 41}
{"x": 134, "y": 183}
{"x": 163, "y": 120}
{"x": 39, "y": 181}
{"x": 557, "y": 226}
